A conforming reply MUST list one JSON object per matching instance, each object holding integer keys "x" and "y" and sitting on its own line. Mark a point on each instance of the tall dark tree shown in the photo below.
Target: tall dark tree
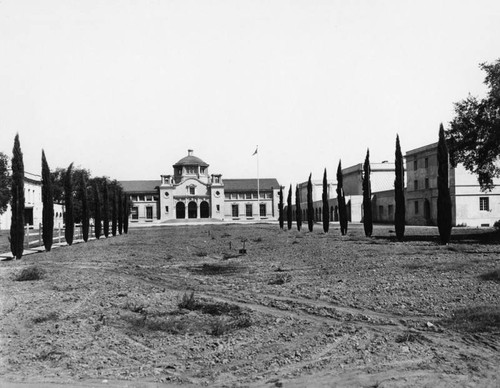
{"x": 474, "y": 134}
{"x": 48, "y": 205}
{"x": 367, "y": 197}
{"x": 444, "y": 217}
{"x": 69, "y": 220}
{"x": 280, "y": 208}
{"x": 58, "y": 177}
{"x": 399, "y": 193}
{"x": 126, "y": 213}
{"x": 85, "y": 208}
{"x": 298, "y": 210}
{"x": 5, "y": 181}
{"x": 289, "y": 213}
{"x": 326, "y": 213}
{"x": 114, "y": 212}
{"x": 97, "y": 210}
{"x": 120, "y": 210}
{"x": 310, "y": 208}
{"x": 17, "y": 201}
{"x": 105, "y": 213}
{"x": 341, "y": 201}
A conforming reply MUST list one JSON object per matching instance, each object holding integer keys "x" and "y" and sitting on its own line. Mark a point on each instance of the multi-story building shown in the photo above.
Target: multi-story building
{"x": 32, "y": 205}
{"x": 470, "y": 205}
{"x": 192, "y": 193}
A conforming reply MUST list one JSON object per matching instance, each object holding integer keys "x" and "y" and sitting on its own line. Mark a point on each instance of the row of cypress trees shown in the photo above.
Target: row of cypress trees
{"x": 444, "y": 216}
{"x": 120, "y": 203}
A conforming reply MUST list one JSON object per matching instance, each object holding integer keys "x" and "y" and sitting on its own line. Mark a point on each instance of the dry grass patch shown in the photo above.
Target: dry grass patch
{"x": 30, "y": 274}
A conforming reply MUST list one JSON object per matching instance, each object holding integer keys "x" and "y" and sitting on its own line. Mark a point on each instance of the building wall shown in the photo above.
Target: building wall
{"x": 468, "y": 201}
{"x": 241, "y": 199}
{"x": 32, "y": 204}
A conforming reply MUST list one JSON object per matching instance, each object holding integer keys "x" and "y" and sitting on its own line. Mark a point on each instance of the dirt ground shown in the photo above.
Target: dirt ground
{"x": 180, "y": 306}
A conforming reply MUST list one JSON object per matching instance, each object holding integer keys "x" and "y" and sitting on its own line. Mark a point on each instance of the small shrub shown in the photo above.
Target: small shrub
{"x": 281, "y": 278}
{"x": 30, "y": 273}
{"x": 493, "y": 275}
{"x": 242, "y": 321}
{"x": 52, "y": 316}
{"x": 477, "y": 319}
{"x": 201, "y": 254}
{"x": 188, "y": 302}
{"x": 258, "y": 239}
{"x": 410, "y": 337}
{"x": 496, "y": 225}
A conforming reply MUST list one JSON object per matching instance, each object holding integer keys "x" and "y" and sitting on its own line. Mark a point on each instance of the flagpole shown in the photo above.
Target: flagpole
{"x": 258, "y": 183}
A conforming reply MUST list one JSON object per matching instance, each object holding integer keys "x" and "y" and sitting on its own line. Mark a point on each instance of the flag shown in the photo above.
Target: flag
{"x": 255, "y": 151}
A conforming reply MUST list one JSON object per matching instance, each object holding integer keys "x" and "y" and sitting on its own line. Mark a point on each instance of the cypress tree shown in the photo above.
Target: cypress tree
{"x": 326, "y": 215}
{"x": 17, "y": 201}
{"x": 289, "y": 209}
{"x": 105, "y": 215}
{"x": 298, "y": 210}
{"x": 85, "y": 207}
{"x": 444, "y": 217}
{"x": 97, "y": 210}
{"x": 341, "y": 201}
{"x": 48, "y": 205}
{"x": 69, "y": 229}
{"x": 280, "y": 208}
{"x": 310, "y": 209}
{"x": 367, "y": 197}
{"x": 126, "y": 212}
{"x": 114, "y": 220}
{"x": 120, "y": 211}
{"x": 399, "y": 194}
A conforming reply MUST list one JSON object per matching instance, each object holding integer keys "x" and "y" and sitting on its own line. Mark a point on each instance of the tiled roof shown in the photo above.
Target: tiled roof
{"x": 191, "y": 160}
{"x": 231, "y": 185}
{"x": 140, "y": 186}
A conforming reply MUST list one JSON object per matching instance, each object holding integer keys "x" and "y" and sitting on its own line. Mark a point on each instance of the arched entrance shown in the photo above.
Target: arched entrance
{"x": 192, "y": 210}
{"x": 180, "y": 210}
{"x": 204, "y": 210}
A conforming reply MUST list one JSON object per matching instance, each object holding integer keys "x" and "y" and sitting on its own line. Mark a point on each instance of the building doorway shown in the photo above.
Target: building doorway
{"x": 28, "y": 216}
{"x": 180, "y": 210}
{"x": 204, "y": 210}
{"x": 192, "y": 210}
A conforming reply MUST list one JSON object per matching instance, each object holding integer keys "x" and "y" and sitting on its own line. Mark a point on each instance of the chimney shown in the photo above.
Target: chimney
{"x": 190, "y": 152}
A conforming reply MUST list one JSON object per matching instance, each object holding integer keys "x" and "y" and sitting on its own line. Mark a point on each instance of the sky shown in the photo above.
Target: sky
{"x": 124, "y": 88}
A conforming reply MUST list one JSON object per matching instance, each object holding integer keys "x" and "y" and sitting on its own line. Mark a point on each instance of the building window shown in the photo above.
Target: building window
{"x": 149, "y": 212}
{"x": 262, "y": 210}
{"x": 248, "y": 195}
{"x": 149, "y": 198}
{"x": 426, "y": 183}
{"x": 227, "y": 196}
{"x": 217, "y": 207}
{"x": 216, "y": 179}
{"x": 390, "y": 211}
{"x": 179, "y": 171}
{"x": 235, "y": 211}
{"x": 254, "y": 196}
{"x": 248, "y": 210}
{"x": 484, "y": 203}
{"x": 415, "y": 165}
{"x": 202, "y": 170}
{"x": 191, "y": 190}
{"x": 426, "y": 162}
{"x": 381, "y": 211}
{"x": 241, "y": 196}
{"x": 166, "y": 209}
{"x": 416, "y": 207}
{"x": 135, "y": 213}
{"x": 415, "y": 184}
